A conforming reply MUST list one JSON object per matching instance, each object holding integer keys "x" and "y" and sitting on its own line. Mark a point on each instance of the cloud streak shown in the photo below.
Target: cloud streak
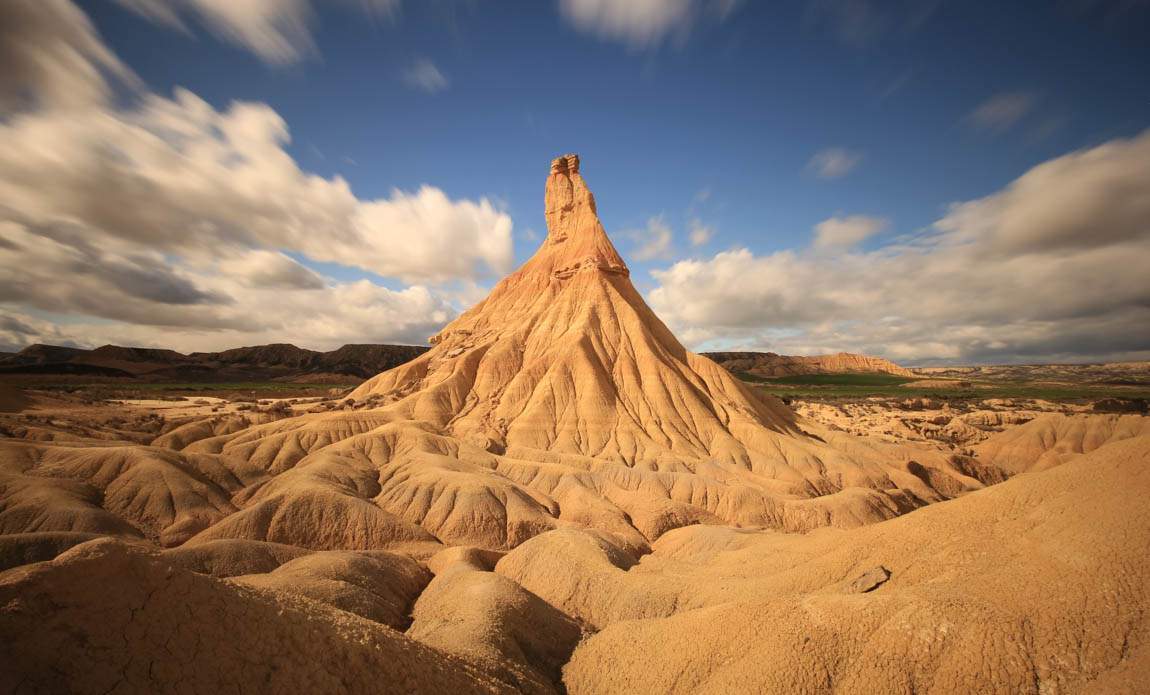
{"x": 424, "y": 75}
{"x": 277, "y": 31}
{"x": 845, "y": 232}
{"x": 1001, "y": 112}
{"x": 654, "y": 240}
{"x": 833, "y": 162}
{"x": 642, "y": 23}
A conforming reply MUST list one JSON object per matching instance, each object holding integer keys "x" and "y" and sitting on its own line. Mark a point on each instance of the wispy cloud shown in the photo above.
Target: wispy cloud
{"x": 424, "y": 75}
{"x": 699, "y": 233}
{"x": 1000, "y": 112}
{"x": 845, "y": 232}
{"x": 654, "y": 240}
{"x": 861, "y": 23}
{"x": 642, "y": 23}
{"x": 833, "y": 162}
{"x": 278, "y": 31}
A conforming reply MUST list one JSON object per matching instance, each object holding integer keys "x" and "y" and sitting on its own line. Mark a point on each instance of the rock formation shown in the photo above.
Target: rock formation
{"x": 560, "y": 400}
{"x": 558, "y": 496}
{"x": 768, "y": 364}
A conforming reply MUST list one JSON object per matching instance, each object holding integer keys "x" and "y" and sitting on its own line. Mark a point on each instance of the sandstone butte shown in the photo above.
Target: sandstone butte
{"x": 769, "y": 364}
{"x": 559, "y": 496}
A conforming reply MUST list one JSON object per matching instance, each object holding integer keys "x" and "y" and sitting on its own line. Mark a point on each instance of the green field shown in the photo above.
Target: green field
{"x": 888, "y": 385}
{"x": 868, "y": 379}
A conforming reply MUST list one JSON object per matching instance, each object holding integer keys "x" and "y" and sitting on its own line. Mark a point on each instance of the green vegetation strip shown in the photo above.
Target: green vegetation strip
{"x": 864, "y": 379}
{"x": 980, "y": 393}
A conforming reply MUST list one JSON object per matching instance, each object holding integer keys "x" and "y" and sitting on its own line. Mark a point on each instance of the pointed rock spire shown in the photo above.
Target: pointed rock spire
{"x": 575, "y": 237}
{"x": 561, "y": 399}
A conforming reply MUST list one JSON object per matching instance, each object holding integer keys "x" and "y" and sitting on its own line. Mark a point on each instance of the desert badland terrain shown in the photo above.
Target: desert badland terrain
{"x": 558, "y": 496}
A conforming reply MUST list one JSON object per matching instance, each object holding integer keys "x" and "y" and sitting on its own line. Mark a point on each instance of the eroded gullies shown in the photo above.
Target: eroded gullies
{"x": 559, "y": 495}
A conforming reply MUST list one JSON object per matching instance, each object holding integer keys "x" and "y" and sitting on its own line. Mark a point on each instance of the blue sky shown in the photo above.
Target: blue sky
{"x": 736, "y": 108}
{"x": 693, "y": 113}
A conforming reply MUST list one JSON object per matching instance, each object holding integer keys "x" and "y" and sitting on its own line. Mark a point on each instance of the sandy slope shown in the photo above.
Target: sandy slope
{"x": 1036, "y": 585}
{"x": 105, "y": 618}
{"x": 596, "y": 504}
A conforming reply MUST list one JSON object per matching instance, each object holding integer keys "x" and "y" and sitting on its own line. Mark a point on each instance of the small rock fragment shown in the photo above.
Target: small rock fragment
{"x": 869, "y": 580}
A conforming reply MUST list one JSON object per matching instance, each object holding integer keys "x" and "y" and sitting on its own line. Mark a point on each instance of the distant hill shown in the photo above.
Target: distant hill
{"x": 769, "y": 364}
{"x": 278, "y": 361}
{"x": 348, "y": 364}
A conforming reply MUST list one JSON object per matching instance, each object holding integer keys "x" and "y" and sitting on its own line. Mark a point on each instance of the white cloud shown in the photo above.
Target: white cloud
{"x": 700, "y": 233}
{"x": 356, "y": 312}
{"x": 50, "y": 51}
{"x": 1052, "y": 267}
{"x": 174, "y": 223}
{"x": 641, "y": 23}
{"x": 180, "y": 177}
{"x": 654, "y": 241}
{"x": 833, "y": 162}
{"x": 277, "y": 31}
{"x": 844, "y": 232}
{"x": 270, "y": 269}
{"x": 424, "y": 75}
{"x": 1000, "y": 112}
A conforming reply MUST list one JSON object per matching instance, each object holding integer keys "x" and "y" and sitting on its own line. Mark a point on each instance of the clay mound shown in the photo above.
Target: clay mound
{"x": 493, "y": 622}
{"x": 1026, "y": 587}
{"x": 586, "y": 576}
{"x": 1054, "y": 438}
{"x": 318, "y": 519}
{"x": 462, "y": 503}
{"x": 163, "y": 629}
{"x": 25, "y": 548}
{"x": 180, "y": 437}
{"x": 232, "y": 557}
{"x": 162, "y": 494}
{"x": 34, "y": 504}
{"x": 381, "y": 588}
{"x": 465, "y": 557}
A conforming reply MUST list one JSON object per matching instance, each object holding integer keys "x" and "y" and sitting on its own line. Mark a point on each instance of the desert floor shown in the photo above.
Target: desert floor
{"x": 1033, "y": 583}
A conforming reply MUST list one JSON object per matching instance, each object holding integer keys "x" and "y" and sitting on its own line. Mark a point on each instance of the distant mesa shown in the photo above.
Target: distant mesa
{"x": 769, "y": 364}
{"x": 283, "y": 361}
{"x": 277, "y": 361}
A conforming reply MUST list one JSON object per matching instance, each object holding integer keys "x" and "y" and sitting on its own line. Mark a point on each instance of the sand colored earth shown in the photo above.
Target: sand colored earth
{"x": 559, "y": 496}
{"x": 1033, "y": 586}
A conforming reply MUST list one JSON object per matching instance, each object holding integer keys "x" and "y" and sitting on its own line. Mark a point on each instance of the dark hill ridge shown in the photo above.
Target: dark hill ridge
{"x": 769, "y": 364}
{"x": 253, "y": 363}
{"x": 350, "y": 363}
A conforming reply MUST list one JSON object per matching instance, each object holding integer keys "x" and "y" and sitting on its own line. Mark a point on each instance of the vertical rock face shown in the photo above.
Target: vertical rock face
{"x": 574, "y": 233}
